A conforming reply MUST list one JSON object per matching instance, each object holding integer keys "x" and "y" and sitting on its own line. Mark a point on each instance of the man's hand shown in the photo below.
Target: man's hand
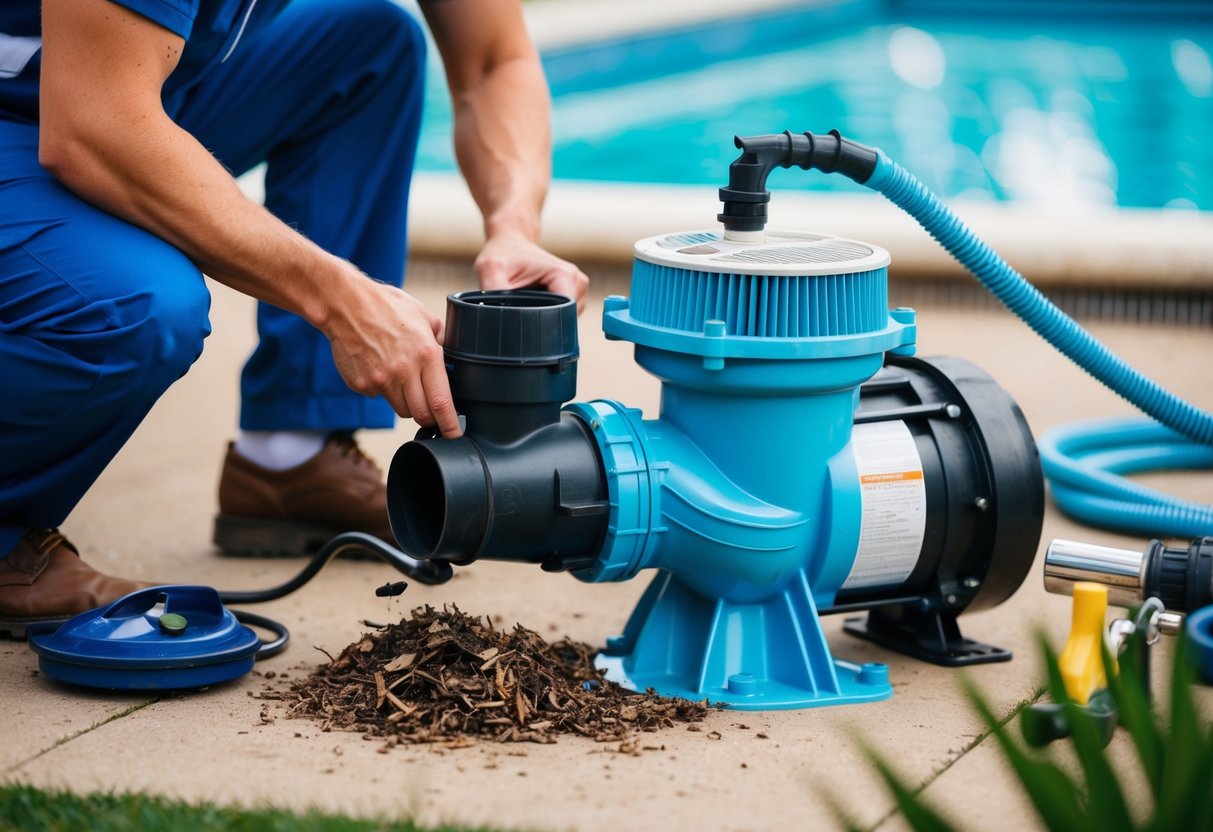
{"x": 386, "y": 343}
{"x": 502, "y": 139}
{"x": 514, "y": 262}
{"x": 104, "y": 134}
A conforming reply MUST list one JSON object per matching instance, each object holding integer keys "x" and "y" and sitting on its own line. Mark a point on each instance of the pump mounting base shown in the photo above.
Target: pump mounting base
{"x": 930, "y": 636}
{"x": 766, "y": 654}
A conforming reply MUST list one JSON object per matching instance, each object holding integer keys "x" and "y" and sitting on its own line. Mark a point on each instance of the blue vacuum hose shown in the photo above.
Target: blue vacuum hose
{"x": 1082, "y": 461}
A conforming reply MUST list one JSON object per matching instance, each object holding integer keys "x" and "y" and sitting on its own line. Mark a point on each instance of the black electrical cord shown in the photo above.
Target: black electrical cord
{"x": 281, "y": 634}
{"x": 431, "y": 572}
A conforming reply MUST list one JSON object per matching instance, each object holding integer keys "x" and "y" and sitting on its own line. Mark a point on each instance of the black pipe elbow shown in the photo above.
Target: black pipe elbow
{"x": 540, "y": 499}
{"x": 745, "y": 199}
{"x": 525, "y": 482}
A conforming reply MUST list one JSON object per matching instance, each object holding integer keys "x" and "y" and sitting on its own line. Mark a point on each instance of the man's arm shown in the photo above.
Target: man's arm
{"x": 502, "y": 138}
{"x": 104, "y": 134}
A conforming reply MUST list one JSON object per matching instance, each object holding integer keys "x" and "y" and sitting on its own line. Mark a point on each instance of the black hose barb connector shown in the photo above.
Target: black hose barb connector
{"x": 525, "y": 481}
{"x": 745, "y": 199}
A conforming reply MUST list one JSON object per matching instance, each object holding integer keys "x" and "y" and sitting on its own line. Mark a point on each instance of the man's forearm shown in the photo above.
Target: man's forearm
{"x": 153, "y": 174}
{"x": 503, "y": 144}
{"x": 501, "y": 106}
{"x": 105, "y": 135}
{"x": 502, "y": 140}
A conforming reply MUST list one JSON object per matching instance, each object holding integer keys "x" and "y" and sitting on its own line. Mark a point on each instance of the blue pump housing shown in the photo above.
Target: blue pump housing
{"x": 803, "y": 462}
{"x": 744, "y": 493}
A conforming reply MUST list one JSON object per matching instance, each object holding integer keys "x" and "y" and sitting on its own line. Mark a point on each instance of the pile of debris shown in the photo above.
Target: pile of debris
{"x": 443, "y": 676}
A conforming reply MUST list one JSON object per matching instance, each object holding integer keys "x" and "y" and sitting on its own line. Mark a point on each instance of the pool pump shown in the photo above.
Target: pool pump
{"x": 804, "y": 462}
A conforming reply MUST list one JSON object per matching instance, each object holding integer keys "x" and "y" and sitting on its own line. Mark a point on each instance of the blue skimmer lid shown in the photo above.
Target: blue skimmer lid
{"x": 159, "y": 638}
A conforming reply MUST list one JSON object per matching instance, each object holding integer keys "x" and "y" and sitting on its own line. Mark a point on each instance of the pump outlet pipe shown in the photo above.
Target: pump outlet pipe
{"x": 1181, "y": 577}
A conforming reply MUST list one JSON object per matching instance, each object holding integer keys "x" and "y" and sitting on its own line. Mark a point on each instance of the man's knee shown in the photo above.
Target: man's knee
{"x": 165, "y": 316}
{"x": 103, "y": 325}
{"x": 178, "y": 313}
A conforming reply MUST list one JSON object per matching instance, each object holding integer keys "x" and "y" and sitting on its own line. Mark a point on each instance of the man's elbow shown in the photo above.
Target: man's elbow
{"x": 63, "y": 154}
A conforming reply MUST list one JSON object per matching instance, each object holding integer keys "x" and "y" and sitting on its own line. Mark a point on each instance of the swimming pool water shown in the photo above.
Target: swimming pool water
{"x": 1061, "y": 115}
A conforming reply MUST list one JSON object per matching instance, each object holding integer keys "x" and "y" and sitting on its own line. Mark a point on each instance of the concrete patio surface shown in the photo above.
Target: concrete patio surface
{"x": 149, "y": 517}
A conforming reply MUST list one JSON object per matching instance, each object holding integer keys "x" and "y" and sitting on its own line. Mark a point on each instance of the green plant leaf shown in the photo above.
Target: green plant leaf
{"x": 841, "y": 816}
{"x": 1131, "y": 693}
{"x": 1055, "y": 796}
{"x": 1105, "y": 800}
{"x": 1177, "y": 760}
{"x": 918, "y": 815}
{"x": 1200, "y": 799}
{"x": 1183, "y": 748}
{"x": 1054, "y": 682}
{"x": 1204, "y": 807}
{"x": 1105, "y": 797}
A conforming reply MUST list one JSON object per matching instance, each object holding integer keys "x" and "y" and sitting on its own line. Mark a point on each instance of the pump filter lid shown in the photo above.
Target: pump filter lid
{"x": 789, "y": 286}
{"x": 782, "y": 253}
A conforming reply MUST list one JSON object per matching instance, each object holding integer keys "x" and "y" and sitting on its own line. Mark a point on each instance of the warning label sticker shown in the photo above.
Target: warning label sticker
{"x": 894, "y": 499}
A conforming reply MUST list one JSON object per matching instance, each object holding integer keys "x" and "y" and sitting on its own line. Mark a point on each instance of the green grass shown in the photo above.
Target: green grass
{"x": 27, "y": 809}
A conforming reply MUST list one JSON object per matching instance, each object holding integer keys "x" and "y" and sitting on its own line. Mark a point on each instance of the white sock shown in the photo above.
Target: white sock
{"x": 280, "y": 449}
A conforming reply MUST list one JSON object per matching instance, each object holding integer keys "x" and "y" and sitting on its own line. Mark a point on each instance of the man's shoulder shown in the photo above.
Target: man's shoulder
{"x": 175, "y": 15}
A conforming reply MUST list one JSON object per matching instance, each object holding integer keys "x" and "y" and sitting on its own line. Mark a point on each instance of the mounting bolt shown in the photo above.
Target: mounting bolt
{"x": 873, "y": 673}
{"x": 982, "y": 503}
{"x": 742, "y": 684}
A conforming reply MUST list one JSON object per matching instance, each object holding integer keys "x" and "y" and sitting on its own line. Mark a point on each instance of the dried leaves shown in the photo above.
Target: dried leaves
{"x": 443, "y": 676}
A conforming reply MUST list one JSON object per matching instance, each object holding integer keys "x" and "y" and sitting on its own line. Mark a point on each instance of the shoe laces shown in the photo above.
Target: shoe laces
{"x": 347, "y": 446}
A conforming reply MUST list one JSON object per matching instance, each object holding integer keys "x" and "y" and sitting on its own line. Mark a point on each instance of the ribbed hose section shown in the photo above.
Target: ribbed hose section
{"x": 1084, "y": 460}
{"x": 1026, "y": 301}
{"x": 1089, "y": 489}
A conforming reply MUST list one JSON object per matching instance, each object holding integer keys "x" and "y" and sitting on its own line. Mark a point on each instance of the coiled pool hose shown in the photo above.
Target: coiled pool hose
{"x": 1083, "y": 461}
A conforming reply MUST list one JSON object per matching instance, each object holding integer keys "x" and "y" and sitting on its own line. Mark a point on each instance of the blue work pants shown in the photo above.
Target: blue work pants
{"x": 98, "y": 317}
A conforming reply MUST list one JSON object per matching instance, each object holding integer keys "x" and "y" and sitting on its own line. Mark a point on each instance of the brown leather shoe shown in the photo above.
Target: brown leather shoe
{"x": 44, "y": 579}
{"x": 266, "y": 513}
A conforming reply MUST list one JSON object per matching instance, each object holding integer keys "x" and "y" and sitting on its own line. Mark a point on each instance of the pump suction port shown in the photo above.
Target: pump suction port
{"x": 524, "y": 482}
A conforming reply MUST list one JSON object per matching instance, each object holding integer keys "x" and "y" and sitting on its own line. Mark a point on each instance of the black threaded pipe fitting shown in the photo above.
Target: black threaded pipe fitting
{"x": 745, "y": 199}
{"x": 1182, "y": 578}
{"x": 525, "y": 481}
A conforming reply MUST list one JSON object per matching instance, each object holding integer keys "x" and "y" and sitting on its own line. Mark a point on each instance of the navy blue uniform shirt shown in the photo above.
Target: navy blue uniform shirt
{"x": 212, "y": 30}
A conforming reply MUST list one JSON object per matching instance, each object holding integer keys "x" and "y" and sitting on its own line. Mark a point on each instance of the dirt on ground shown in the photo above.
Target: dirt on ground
{"x": 442, "y": 676}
